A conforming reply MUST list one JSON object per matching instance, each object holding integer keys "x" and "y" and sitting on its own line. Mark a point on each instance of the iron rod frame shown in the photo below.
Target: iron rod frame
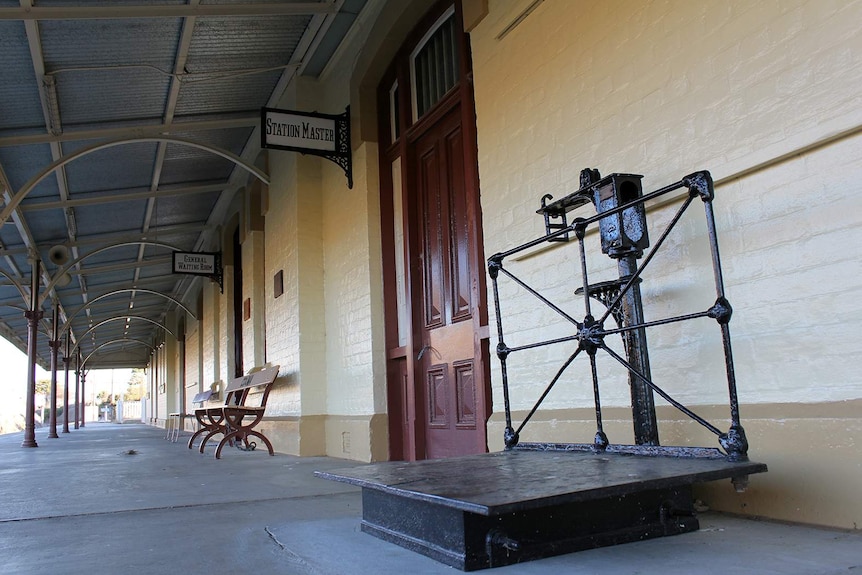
{"x": 591, "y": 333}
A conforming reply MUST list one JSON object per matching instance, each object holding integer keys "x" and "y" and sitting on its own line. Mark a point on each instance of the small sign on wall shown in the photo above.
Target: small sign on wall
{"x": 198, "y": 263}
{"x": 278, "y": 283}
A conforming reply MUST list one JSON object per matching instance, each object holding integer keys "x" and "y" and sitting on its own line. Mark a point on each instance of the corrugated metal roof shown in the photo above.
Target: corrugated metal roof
{"x": 79, "y": 84}
{"x": 19, "y": 93}
{"x": 20, "y": 163}
{"x": 116, "y": 168}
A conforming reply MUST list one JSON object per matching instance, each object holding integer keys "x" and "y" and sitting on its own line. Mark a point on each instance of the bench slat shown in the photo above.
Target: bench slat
{"x": 262, "y": 377}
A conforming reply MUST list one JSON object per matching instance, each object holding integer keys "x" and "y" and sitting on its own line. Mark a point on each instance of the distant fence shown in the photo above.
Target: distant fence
{"x": 131, "y": 411}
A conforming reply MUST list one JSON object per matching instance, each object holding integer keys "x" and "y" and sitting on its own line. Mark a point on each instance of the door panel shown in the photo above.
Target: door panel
{"x": 459, "y": 224}
{"x": 438, "y": 400}
{"x": 465, "y": 395}
{"x": 432, "y": 240}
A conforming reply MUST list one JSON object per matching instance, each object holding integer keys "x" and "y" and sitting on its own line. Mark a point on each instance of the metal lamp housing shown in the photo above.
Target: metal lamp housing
{"x": 625, "y": 232}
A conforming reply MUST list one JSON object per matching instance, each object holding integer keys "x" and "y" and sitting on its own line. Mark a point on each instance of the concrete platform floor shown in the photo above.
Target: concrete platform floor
{"x": 119, "y": 498}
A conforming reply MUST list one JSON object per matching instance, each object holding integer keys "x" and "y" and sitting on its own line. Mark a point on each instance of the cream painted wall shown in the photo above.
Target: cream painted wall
{"x": 293, "y": 241}
{"x": 767, "y": 97}
{"x": 327, "y": 328}
{"x": 225, "y": 319}
{"x": 172, "y": 374}
{"x": 350, "y": 317}
{"x": 254, "y": 276}
{"x": 192, "y": 380}
{"x": 282, "y": 254}
{"x": 211, "y": 332}
{"x": 160, "y": 375}
{"x": 665, "y": 89}
{"x": 311, "y": 311}
{"x": 355, "y": 345}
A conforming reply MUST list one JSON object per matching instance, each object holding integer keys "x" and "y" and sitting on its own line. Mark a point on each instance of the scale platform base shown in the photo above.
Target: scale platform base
{"x": 498, "y": 509}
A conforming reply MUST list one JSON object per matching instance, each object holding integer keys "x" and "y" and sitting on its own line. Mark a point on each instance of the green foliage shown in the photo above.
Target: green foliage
{"x": 43, "y": 386}
{"x": 135, "y": 390}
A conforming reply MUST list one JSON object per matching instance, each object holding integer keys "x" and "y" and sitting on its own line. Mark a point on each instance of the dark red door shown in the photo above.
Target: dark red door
{"x": 448, "y": 350}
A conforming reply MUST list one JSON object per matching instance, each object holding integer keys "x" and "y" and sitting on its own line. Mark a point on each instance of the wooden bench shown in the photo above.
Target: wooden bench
{"x": 175, "y": 420}
{"x": 236, "y": 419}
{"x": 209, "y": 418}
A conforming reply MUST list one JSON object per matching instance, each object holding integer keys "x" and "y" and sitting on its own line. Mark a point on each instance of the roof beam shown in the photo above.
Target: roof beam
{"x": 106, "y": 311}
{"x": 4, "y": 188}
{"x": 128, "y": 265}
{"x": 170, "y": 108}
{"x": 122, "y": 197}
{"x": 53, "y": 123}
{"x": 156, "y": 233}
{"x": 131, "y": 132}
{"x": 165, "y": 11}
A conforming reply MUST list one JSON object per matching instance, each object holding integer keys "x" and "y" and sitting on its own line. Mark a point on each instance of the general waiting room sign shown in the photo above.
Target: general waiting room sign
{"x": 325, "y": 135}
{"x": 198, "y": 263}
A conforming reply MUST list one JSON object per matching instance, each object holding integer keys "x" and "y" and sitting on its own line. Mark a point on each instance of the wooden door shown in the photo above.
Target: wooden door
{"x": 448, "y": 355}
{"x": 438, "y": 380}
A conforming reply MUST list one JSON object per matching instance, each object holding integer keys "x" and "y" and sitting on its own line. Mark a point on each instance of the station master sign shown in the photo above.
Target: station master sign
{"x": 324, "y": 135}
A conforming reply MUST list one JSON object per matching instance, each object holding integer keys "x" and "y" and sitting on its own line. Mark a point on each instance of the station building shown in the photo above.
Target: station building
{"x": 375, "y": 300}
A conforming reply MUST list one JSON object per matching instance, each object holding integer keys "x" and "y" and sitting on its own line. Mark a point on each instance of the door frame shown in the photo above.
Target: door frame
{"x": 405, "y": 408}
